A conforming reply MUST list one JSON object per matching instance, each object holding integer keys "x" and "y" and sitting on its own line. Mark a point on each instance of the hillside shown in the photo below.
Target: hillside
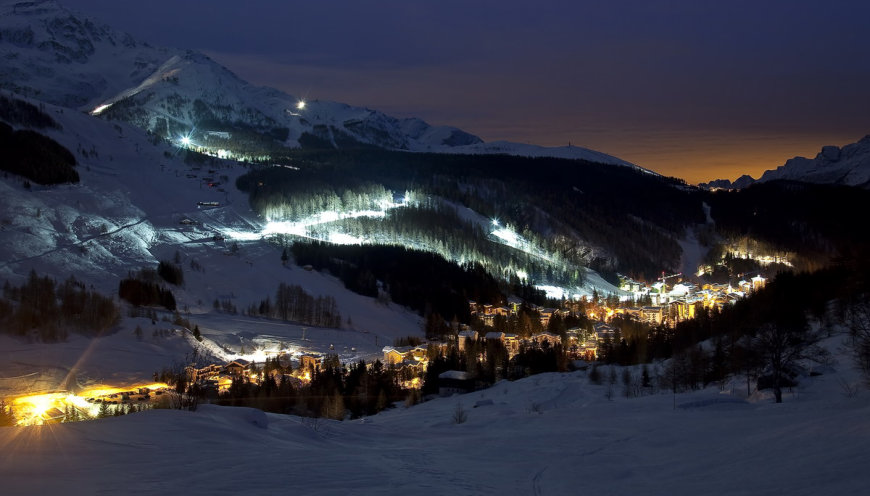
{"x": 68, "y": 59}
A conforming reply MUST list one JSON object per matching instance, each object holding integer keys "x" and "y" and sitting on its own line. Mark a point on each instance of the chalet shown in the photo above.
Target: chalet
{"x": 514, "y": 304}
{"x": 603, "y": 331}
{"x": 237, "y": 367}
{"x": 512, "y": 344}
{"x": 310, "y": 362}
{"x": 546, "y": 315}
{"x": 503, "y": 311}
{"x": 419, "y": 353}
{"x": 197, "y": 375}
{"x": 652, "y": 315}
{"x": 454, "y": 382}
{"x": 631, "y": 285}
{"x": 589, "y": 350}
{"x": 494, "y": 336}
{"x": 758, "y": 282}
{"x": 632, "y": 313}
{"x": 575, "y": 333}
{"x": 682, "y": 288}
{"x": 546, "y": 337}
{"x": 393, "y": 356}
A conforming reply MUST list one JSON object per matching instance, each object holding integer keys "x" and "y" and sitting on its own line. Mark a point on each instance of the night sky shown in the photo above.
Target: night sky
{"x": 695, "y": 89}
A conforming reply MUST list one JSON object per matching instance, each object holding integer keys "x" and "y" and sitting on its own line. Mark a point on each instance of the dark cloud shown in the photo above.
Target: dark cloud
{"x": 649, "y": 81}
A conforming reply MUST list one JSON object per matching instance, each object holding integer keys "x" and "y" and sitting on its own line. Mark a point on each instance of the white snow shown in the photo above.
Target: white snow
{"x": 68, "y": 59}
{"x": 546, "y": 434}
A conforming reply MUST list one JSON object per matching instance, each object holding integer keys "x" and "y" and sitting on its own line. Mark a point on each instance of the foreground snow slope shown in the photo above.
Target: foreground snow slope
{"x": 547, "y": 434}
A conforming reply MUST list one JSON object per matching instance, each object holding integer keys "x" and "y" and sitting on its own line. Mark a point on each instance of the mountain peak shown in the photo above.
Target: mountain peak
{"x": 67, "y": 59}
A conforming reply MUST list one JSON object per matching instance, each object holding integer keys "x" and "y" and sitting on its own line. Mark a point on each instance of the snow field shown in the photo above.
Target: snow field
{"x": 546, "y": 434}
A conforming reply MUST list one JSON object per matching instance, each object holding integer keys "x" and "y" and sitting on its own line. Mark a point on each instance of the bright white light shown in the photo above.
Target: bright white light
{"x": 99, "y": 109}
{"x": 509, "y": 237}
{"x": 495, "y": 222}
{"x": 185, "y": 140}
{"x": 552, "y": 291}
{"x": 344, "y": 239}
{"x": 523, "y": 275}
{"x": 300, "y": 105}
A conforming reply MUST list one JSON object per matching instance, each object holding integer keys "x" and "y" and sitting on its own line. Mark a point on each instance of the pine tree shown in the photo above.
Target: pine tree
{"x": 7, "y": 416}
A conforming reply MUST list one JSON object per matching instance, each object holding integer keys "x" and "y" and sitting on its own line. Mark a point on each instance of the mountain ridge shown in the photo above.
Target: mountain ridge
{"x": 174, "y": 93}
{"x": 847, "y": 165}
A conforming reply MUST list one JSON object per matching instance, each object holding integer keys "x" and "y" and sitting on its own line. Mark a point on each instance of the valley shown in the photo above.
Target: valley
{"x": 198, "y": 272}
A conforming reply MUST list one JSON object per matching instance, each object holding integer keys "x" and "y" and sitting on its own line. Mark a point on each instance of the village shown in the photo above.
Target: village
{"x": 582, "y": 330}
{"x": 581, "y": 327}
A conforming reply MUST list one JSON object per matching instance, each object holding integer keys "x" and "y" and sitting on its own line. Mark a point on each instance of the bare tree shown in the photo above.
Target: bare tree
{"x": 459, "y": 414}
{"x": 858, "y": 322}
{"x": 782, "y": 345}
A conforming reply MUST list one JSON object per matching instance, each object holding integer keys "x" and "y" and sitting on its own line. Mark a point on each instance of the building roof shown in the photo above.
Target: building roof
{"x": 454, "y": 374}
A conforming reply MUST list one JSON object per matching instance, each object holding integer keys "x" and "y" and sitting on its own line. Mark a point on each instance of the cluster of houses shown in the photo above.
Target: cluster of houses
{"x": 416, "y": 357}
{"x": 220, "y": 377}
{"x": 683, "y": 300}
{"x": 488, "y": 313}
{"x": 668, "y": 307}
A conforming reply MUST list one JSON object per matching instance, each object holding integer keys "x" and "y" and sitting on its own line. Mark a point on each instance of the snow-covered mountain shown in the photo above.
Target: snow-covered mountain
{"x": 67, "y": 59}
{"x": 849, "y": 165}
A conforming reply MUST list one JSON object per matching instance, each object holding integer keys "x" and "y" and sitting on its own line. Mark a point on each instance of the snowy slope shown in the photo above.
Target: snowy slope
{"x": 526, "y": 150}
{"x": 546, "y": 434}
{"x": 66, "y": 59}
{"x": 69, "y": 60}
{"x": 125, "y": 214}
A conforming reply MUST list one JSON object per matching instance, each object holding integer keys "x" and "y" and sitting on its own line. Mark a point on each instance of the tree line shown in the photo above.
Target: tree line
{"x": 48, "y": 309}
{"x": 292, "y": 303}
{"x": 424, "y": 282}
{"x": 627, "y": 217}
{"x": 762, "y": 337}
{"x": 142, "y": 288}
{"x": 36, "y": 157}
{"x": 334, "y": 391}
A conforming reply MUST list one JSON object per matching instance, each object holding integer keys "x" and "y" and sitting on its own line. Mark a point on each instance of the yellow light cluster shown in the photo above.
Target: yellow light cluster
{"x": 38, "y": 409}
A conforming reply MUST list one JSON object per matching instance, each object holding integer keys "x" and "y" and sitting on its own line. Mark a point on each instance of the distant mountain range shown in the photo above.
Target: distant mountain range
{"x": 64, "y": 58}
{"x": 849, "y": 165}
